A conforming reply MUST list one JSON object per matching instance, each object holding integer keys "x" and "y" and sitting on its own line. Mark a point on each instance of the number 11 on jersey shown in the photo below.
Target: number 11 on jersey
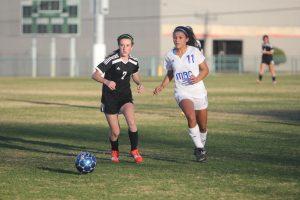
{"x": 189, "y": 58}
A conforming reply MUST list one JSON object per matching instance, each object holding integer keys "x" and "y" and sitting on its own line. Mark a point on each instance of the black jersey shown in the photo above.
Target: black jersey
{"x": 267, "y": 47}
{"x": 119, "y": 72}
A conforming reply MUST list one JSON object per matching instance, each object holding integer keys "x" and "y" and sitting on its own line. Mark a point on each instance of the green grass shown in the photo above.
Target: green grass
{"x": 253, "y": 142}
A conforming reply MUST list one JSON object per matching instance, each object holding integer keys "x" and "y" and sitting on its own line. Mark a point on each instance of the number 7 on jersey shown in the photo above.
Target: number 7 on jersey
{"x": 124, "y": 74}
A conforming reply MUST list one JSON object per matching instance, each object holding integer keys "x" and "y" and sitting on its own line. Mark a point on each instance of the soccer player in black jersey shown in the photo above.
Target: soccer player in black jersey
{"x": 115, "y": 73}
{"x": 267, "y": 59}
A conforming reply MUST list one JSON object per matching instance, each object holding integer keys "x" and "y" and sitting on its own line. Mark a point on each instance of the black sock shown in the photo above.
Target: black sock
{"x": 260, "y": 77}
{"x": 133, "y": 137}
{"x": 114, "y": 145}
{"x": 273, "y": 78}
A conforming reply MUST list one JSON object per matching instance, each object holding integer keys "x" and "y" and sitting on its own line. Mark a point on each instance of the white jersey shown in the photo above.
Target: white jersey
{"x": 183, "y": 68}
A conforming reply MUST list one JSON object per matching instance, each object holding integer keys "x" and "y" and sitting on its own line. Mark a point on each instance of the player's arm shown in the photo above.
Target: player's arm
{"x": 168, "y": 78}
{"x": 269, "y": 52}
{"x": 137, "y": 80}
{"x": 98, "y": 75}
{"x": 204, "y": 72}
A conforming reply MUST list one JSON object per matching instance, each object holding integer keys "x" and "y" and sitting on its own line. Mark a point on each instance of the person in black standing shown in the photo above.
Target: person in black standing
{"x": 267, "y": 59}
{"x": 115, "y": 73}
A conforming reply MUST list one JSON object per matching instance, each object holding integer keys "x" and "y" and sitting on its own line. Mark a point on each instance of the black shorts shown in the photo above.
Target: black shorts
{"x": 267, "y": 60}
{"x": 112, "y": 105}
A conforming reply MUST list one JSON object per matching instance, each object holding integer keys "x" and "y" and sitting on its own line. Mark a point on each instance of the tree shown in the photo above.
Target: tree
{"x": 279, "y": 56}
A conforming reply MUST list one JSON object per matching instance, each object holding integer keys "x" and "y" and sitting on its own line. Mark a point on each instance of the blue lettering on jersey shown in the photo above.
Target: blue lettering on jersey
{"x": 191, "y": 57}
{"x": 184, "y": 77}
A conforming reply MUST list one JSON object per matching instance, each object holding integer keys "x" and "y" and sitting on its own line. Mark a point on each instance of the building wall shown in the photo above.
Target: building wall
{"x": 224, "y": 23}
{"x": 151, "y": 22}
{"x": 129, "y": 16}
{"x": 124, "y": 16}
{"x": 16, "y": 46}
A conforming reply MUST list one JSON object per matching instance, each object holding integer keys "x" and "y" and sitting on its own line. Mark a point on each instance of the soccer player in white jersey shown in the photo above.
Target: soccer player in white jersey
{"x": 186, "y": 64}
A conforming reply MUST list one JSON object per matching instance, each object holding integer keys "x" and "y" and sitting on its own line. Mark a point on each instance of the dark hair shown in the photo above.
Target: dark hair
{"x": 123, "y": 36}
{"x": 265, "y": 36}
{"x": 189, "y": 33}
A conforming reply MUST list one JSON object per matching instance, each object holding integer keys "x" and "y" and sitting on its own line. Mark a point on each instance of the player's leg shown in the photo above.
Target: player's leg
{"x": 128, "y": 111}
{"x": 114, "y": 125}
{"x": 272, "y": 71}
{"x": 261, "y": 72}
{"x": 201, "y": 116}
{"x": 187, "y": 106}
{"x": 201, "y": 105}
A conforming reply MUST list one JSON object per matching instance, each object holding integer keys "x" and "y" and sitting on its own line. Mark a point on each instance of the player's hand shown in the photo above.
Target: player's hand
{"x": 110, "y": 84}
{"x": 140, "y": 88}
{"x": 194, "y": 79}
{"x": 158, "y": 89}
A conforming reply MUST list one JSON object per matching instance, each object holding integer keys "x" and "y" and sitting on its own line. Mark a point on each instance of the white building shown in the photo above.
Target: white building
{"x": 232, "y": 30}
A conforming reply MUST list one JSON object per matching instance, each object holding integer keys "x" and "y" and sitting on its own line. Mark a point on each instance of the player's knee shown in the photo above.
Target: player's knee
{"x": 132, "y": 126}
{"x": 191, "y": 118}
{"x": 115, "y": 132}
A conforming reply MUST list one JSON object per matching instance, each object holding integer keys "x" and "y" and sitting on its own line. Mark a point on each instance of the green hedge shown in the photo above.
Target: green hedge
{"x": 279, "y": 56}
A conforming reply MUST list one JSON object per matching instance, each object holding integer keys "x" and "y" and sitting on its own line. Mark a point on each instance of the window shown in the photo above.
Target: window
{"x": 54, "y": 5}
{"x": 44, "y": 5}
{"x": 42, "y": 28}
{"x": 49, "y": 5}
{"x": 228, "y": 55}
{"x": 27, "y": 11}
{"x": 56, "y": 28}
{"x": 27, "y": 28}
{"x": 73, "y": 11}
{"x": 72, "y": 28}
{"x": 227, "y": 47}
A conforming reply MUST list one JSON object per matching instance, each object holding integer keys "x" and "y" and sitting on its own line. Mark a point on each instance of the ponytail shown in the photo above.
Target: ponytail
{"x": 192, "y": 38}
{"x": 117, "y": 51}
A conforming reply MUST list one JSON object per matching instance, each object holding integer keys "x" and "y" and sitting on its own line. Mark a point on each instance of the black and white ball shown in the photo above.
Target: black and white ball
{"x": 85, "y": 162}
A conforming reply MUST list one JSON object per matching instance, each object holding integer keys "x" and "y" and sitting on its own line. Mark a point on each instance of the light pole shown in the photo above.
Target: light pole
{"x": 99, "y": 48}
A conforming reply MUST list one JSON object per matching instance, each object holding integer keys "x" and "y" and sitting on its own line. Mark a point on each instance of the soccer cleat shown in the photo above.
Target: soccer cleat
{"x": 115, "y": 156}
{"x": 200, "y": 154}
{"x": 136, "y": 155}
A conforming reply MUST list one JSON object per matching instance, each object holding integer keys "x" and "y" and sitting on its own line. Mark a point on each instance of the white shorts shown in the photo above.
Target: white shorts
{"x": 200, "y": 103}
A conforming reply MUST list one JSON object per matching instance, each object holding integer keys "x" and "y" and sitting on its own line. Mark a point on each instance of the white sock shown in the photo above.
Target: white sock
{"x": 195, "y": 135}
{"x": 203, "y": 137}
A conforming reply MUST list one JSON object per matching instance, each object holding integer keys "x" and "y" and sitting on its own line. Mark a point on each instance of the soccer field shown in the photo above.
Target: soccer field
{"x": 253, "y": 143}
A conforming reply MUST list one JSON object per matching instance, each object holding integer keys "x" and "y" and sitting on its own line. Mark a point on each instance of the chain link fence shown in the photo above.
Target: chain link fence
{"x": 149, "y": 66}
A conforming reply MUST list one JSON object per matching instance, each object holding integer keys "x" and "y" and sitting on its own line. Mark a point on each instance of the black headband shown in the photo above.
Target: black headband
{"x": 182, "y": 29}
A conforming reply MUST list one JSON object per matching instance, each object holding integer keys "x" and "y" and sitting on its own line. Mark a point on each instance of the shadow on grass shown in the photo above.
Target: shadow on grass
{"x": 231, "y": 153}
{"x": 61, "y": 171}
{"x": 288, "y": 117}
{"x": 31, "y": 149}
{"x": 282, "y": 123}
{"x": 45, "y": 134}
{"x": 53, "y": 103}
{"x": 42, "y": 143}
{"x": 79, "y": 134}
